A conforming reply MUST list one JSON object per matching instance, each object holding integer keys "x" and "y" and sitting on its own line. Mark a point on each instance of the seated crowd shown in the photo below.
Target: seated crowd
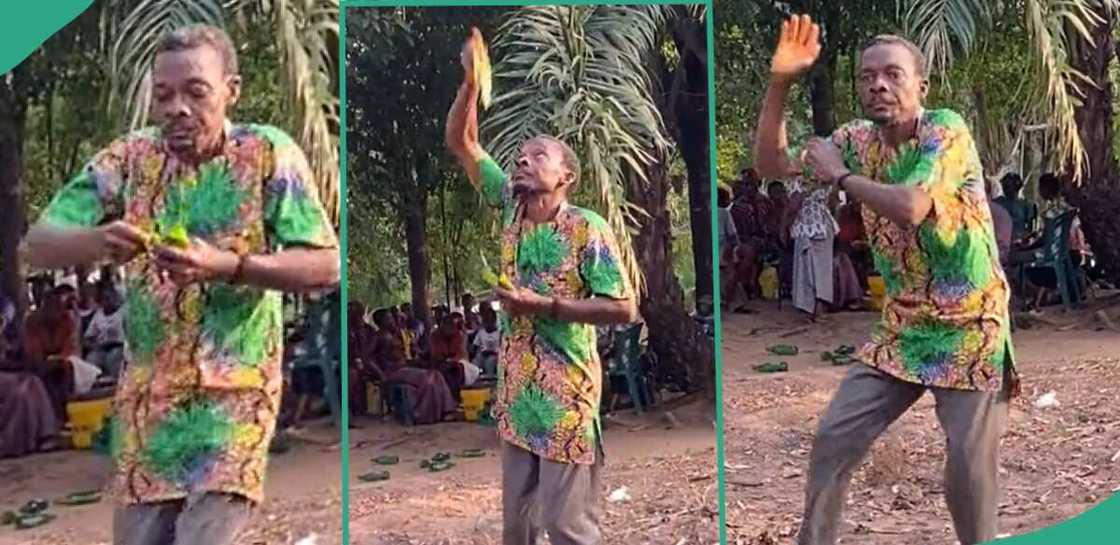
{"x": 390, "y": 350}
{"x": 70, "y": 346}
{"x": 809, "y": 245}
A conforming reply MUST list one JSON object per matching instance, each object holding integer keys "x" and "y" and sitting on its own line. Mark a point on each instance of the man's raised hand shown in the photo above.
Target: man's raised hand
{"x": 798, "y": 47}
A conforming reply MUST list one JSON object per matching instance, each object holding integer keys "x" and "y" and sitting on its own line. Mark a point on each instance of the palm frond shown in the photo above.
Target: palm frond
{"x": 940, "y": 26}
{"x": 580, "y": 73}
{"x": 1048, "y": 23}
{"x": 307, "y": 35}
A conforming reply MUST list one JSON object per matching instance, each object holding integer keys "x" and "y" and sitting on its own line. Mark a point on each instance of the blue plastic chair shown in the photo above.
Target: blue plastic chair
{"x": 626, "y": 361}
{"x": 1054, "y": 254}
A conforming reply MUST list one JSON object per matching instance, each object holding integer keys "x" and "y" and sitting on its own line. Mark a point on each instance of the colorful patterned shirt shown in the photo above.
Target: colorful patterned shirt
{"x": 549, "y": 375}
{"x": 196, "y": 406}
{"x": 945, "y": 322}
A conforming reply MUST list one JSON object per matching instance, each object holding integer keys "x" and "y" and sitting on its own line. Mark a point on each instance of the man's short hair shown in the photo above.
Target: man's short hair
{"x": 198, "y": 35}
{"x": 569, "y": 155}
{"x": 891, "y": 39}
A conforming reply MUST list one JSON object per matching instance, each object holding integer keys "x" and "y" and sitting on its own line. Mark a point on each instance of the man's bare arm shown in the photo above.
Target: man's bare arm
{"x": 597, "y": 311}
{"x": 51, "y": 247}
{"x": 461, "y": 133}
{"x": 798, "y": 48}
{"x": 60, "y": 248}
{"x": 771, "y": 145}
{"x": 906, "y": 206}
{"x": 293, "y": 270}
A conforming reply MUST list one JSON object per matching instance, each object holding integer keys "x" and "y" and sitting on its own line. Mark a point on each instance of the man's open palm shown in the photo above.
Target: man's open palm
{"x": 798, "y": 46}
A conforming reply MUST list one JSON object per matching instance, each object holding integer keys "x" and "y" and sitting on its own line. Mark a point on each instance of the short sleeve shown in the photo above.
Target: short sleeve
{"x": 945, "y": 160}
{"x": 94, "y": 195}
{"x": 601, "y": 262}
{"x": 293, "y": 213}
{"x": 495, "y": 183}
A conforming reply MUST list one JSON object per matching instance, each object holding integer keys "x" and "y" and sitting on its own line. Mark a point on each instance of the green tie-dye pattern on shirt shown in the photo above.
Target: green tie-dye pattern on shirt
{"x": 203, "y": 205}
{"x": 892, "y": 279}
{"x": 293, "y": 218}
{"x": 533, "y": 412}
{"x": 965, "y": 260}
{"x": 143, "y": 325}
{"x": 571, "y": 340}
{"x": 910, "y": 168}
{"x": 241, "y": 321}
{"x": 602, "y": 277}
{"x": 189, "y": 434}
{"x": 541, "y": 250}
{"x": 78, "y": 204}
{"x": 926, "y": 343}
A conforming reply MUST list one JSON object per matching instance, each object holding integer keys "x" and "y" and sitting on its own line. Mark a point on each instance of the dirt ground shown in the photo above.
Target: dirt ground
{"x": 1055, "y": 462}
{"x": 302, "y": 505}
{"x": 669, "y": 474}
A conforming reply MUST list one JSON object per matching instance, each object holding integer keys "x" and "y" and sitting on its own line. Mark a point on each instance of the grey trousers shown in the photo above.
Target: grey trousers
{"x": 539, "y": 495}
{"x": 208, "y": 519}
{"x": 867, "y": 402}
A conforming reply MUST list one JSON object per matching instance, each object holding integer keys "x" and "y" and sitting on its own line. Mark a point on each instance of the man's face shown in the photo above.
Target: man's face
{"x": 541, "y": 169}
{"x": 489, "y": 317}
{"x": 191, "y": 93}
{"x": 1011, "y": 187}
{"x": 891, "y": 85}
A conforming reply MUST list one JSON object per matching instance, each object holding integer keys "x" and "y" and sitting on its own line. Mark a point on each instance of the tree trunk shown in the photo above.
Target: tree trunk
{"x": 690, "y": 111}
{"x": 822, "y": 95}
{"x": 415, "y": 210}
{"x": 1099, "y": 194}
{"x": 685, "y": 355}
{"x": 13, "y": 117}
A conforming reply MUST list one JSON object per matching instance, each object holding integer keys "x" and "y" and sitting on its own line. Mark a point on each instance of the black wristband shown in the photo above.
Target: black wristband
{"x": 840, "y": 181}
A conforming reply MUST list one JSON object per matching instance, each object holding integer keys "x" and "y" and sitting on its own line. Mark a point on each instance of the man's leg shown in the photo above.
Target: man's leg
{"x": 973, "y": 424}
{"x": 570, "y": 497}
{"x": 213, "y": 519}
{"x": 146, "y": 523}
{"x": 866, "y": 403}
{"x": 520, "y": 475}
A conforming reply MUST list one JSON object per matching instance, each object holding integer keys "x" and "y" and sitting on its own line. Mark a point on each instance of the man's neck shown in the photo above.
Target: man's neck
{"x": 543, "y": 207}
{"x": 900, "y": 131}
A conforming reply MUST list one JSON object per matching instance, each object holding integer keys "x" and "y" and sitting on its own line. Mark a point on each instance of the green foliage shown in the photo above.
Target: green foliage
{"x": 397, "y": 159}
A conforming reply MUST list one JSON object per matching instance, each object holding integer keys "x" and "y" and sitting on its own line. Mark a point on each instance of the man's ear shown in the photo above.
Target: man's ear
{"x": 234, "y": 87}
{"x": 569, "y": 177}
{"x": 924, "y": 87}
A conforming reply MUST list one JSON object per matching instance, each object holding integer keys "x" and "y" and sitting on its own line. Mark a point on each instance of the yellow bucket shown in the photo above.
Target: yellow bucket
{"x": 768, "y": 281}
{"x": 86, "y": 419}
{"x": 878, "y": 291}
{"x": 473, "y": 401}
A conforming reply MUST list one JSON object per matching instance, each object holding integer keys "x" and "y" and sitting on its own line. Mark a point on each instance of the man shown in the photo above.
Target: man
{"x": 212, "y": 220}
{"x": 487, "y": 342}
{"x": 918, "y": 176}
{"x": 565, "y": 269}
{"x": 1022, "y": 211}
{"x": 105, "y": 333}
{"x": 471, "y": 319}
{"x": 813, "y": 230}
{"x": 1003, "y": 224}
